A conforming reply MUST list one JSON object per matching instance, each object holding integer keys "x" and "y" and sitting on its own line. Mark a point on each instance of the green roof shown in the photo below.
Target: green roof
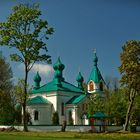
{"x": 95, "y": 75}
{"x": 52, "y": 86}
{"x": 98, "y": 115}
{"x": 37, "y": 100}
{"x": 76, "y": 99}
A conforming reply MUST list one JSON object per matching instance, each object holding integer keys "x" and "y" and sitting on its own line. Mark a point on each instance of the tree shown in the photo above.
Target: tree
{"x": 26, "y": 32}
{"x": 19, "y": 91}
{"x": 116, "y": 106}
{"x": 112, "y": 83}
{"x": 6, "y": 86}
{"x": 19, "y": 95}
{"x": 130, "y": 71}
{"x": 95, "y": 104}
{"x": 135, "y": 117}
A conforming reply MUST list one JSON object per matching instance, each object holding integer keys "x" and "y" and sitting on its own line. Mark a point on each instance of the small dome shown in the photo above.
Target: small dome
{"x": 79, "y": 77}
{"x": 58, "y": 65}
{"x": 95, "y": 59}
{"x": 37, "y": 77}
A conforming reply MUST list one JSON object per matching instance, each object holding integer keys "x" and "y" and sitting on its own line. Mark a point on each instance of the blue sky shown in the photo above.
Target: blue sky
{"x": 80, "y": 26}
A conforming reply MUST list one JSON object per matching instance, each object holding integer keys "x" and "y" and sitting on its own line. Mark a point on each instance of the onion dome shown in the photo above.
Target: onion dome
{"x": 37, "y": 77}
{"x": 95, "y": 59}
{"x": 58, "y": 71}
{"x": 80, "y": 80}
{"x": 37, "y": 80}
{"x": 58, "y": 65}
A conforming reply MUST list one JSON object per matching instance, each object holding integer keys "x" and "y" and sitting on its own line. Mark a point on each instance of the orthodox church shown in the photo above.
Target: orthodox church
{"x": 68, "y": 100}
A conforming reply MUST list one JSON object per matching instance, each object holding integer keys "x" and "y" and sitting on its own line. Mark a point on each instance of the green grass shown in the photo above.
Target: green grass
{"x": 67, "y": 136}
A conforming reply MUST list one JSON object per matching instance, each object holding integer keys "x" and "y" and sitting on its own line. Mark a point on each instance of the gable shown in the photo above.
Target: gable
{"x": 37, "y": 100}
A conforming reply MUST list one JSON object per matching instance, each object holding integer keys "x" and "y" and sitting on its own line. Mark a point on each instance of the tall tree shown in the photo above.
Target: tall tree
{"x": 27, "y": 32}
{"x": 6, "y": 86}
{"x": 130, "y": 71}
{"x": 19, "y": 96}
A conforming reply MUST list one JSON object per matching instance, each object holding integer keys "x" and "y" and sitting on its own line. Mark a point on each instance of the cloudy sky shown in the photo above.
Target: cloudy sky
{"x": 80, "y": 26}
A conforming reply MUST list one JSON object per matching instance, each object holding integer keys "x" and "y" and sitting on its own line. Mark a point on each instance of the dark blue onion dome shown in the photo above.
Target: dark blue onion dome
{"x": 80, "y": 80}
{"x": 37, "y": 80}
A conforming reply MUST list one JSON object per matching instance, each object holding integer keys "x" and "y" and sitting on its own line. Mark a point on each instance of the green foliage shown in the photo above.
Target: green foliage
{"x": 96, "y": 104}
{"x": 6, "y": 87}
{"x": 25, "y": 31}
{"x": 19, "y": 91}
{"x": 18, "y": 116}
{"x": 113, "y": 104}
{"x": 130, "y": 71}
{"x": 116, "y": 106}
{"x": 55, "y": 118}
{"x": 130, "y": 65}
{"x": 135, "y": 117}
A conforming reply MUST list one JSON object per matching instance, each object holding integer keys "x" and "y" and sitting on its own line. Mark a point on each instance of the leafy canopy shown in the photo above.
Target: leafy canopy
{"x": 25, "y": 31}
{"x": 130, "y": 65}
{"x": 6, "y": 87}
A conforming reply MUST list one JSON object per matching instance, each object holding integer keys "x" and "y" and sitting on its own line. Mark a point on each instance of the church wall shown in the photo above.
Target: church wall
{"x": 78, "y": 110}
{"x": 44, "y": 114}
{"x": 53, "y": 99}
{"x": 81, "y": 111}
{"x": 63, "y": 97}
{"x": 70, "y": 108}
{"x": 75, "y": 114}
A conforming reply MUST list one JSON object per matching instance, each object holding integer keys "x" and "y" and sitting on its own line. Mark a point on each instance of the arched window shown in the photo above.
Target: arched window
{"x": 101, "y": 86}
{"x": 36, "y": 115}
{"x": 91, "y": 86}
{"x": 62, "y": 109}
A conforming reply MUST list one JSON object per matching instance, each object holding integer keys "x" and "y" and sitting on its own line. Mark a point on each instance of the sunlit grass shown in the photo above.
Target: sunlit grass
{"x": 67, "y": 136}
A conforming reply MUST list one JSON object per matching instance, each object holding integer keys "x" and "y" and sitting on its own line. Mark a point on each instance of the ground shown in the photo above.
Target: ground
{"x": 67, "y": 136}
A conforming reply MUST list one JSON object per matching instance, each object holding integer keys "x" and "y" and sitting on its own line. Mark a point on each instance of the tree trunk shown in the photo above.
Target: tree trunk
{"x": 24, "y": 118}
{"x": 24, "y": 102}
{"x": 128, "y": 114}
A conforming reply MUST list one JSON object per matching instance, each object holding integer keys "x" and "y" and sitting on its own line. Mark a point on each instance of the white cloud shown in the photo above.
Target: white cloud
{"x": 43, "y": 69}
{"x": 46, "y": 72}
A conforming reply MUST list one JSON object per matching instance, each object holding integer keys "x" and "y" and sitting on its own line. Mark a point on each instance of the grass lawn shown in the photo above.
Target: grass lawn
{"x": 67, "y": 136}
